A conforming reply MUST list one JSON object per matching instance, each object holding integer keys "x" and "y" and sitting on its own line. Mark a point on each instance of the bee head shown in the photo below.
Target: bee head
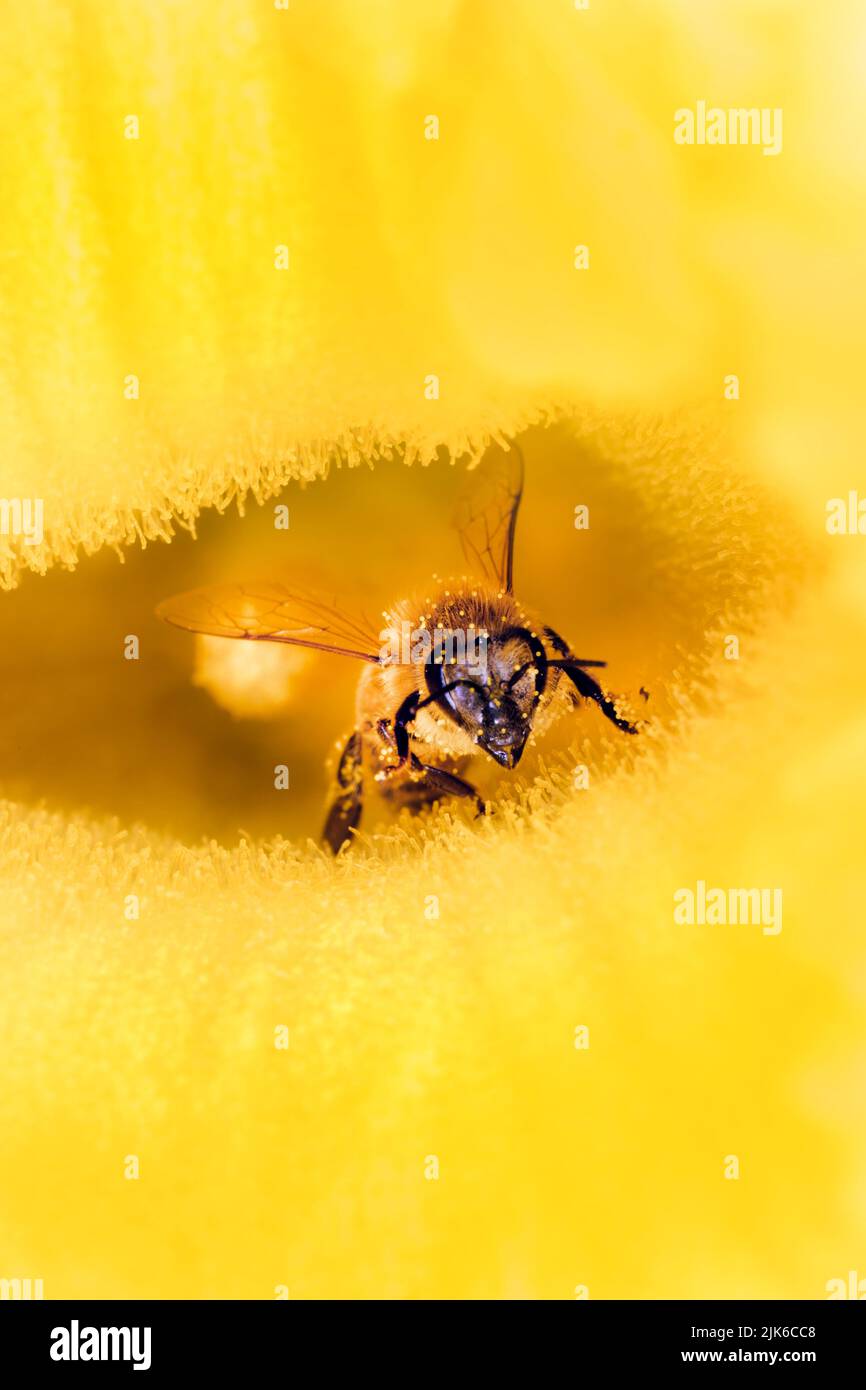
{"x": 496, "y": 704}
{"x": 504, "y": 730}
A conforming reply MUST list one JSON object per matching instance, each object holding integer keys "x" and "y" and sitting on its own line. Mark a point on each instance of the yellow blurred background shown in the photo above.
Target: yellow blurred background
{"x": 414, "y": 1036}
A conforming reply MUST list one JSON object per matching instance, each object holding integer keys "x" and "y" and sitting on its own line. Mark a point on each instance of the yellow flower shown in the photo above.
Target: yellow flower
{"x": 241, "y": 245}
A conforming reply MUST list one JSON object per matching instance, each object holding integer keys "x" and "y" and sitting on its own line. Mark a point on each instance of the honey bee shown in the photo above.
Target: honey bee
{"x": 469, "y": 670}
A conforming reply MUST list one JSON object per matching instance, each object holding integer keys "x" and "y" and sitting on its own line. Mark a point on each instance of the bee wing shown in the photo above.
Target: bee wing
{"x": 486, "y": 515}
{"x": 268, "y": 611}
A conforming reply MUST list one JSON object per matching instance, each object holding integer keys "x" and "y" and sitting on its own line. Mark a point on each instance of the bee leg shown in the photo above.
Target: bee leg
{"x": 448, "y": 784}
{"x": 402, "y": 719}
{"x": 591, "y": 690}
{"x": 345, "y": 810}
{"x": 436, "y": 778}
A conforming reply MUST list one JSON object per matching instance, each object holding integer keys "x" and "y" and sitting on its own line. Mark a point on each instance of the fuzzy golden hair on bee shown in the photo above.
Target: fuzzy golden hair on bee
{"x": 461, "y": 670}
